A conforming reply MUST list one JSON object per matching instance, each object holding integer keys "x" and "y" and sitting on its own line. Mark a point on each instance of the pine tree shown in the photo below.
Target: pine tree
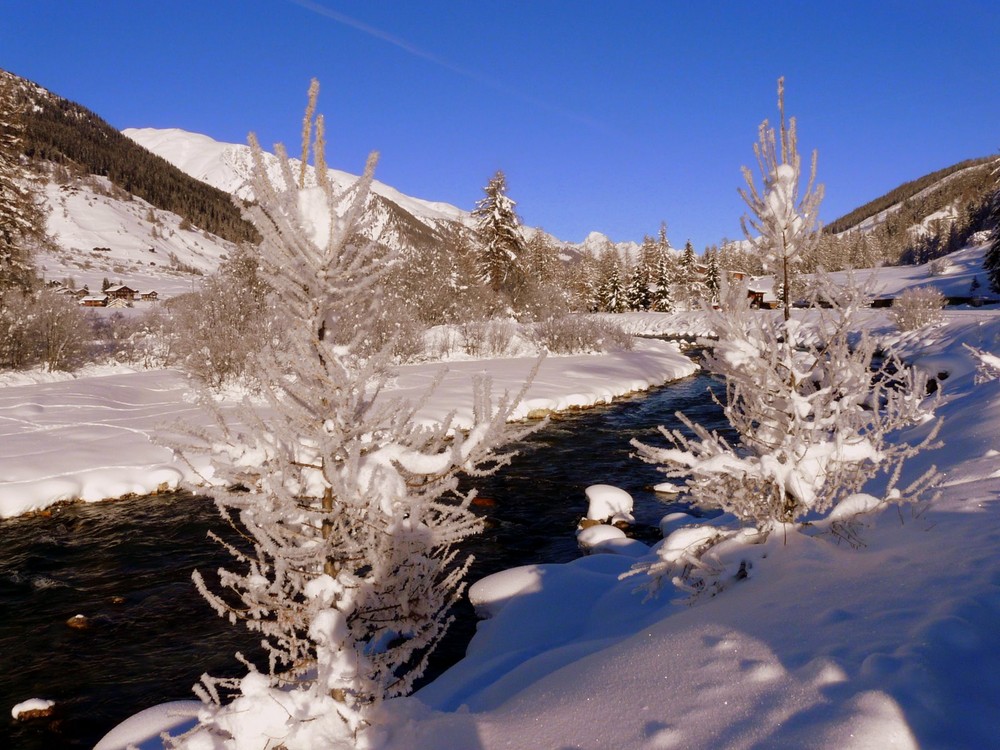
{"x": 689, "y": 278}
{"x": 22, "y": 222}
{"x": 991, "y": 262}
{"x": 713, "y": 277}
{"x": 612, "y": 294}
{"x": 662, "y": 298}
{"x": 582, "y": 280}
{"x": 661, "y": 238}
{"x": 781, "y": 226}
{"x": 502, "y": 244}
{"x": 351, "y": 509}
{"x": 638, "y": 294}
{"x": 812, "y": 411}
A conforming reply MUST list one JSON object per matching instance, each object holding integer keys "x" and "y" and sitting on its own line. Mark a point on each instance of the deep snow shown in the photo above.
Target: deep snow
{"x": 891, "y": 645}
{"x": 100, "y": 436}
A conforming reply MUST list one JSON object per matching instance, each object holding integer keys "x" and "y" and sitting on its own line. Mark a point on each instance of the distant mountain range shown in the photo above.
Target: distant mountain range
{"x": 156, "y": 206}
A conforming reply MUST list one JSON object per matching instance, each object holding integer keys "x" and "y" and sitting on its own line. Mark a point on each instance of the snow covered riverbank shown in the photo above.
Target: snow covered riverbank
{"x": 94, "y": 437}
{"x": 893, "y": 644}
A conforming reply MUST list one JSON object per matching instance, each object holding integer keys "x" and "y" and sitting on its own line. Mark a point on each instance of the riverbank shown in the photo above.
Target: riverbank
{"x": 99, "y": 437}
{"x": 891, "y": 644}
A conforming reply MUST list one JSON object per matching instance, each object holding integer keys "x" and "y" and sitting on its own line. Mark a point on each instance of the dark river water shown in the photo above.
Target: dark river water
{"x": 126, "y": 566}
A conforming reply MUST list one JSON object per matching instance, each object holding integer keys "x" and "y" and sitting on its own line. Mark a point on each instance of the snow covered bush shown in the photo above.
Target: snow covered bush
{"x": 216, "y": 332}
{"x": 488, "y": 338}
{"x": 917, "y": 307}
{"x": 938, "y": 267}
{"x": 350, "y": 508}
{"x": 42, "y": 328}
{"x": 987, "y": 365}
{"x": 577, "y": 334}
{"x": 814, "y": 411}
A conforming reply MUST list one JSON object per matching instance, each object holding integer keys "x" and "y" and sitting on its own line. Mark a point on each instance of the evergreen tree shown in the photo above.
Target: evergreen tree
{"x": 500, "y": 264}
{"x": 813, "y": 416}
{"x": 541, "y": 259}
{"x": 581, "y": 283}
{"x": 661, "y": 238}
{"x": 611, "y": 290}
{"x": 781, "y": 226}
{"x": 22, "y": 222}
{"x": 689, "y": 277}
{"x": 350, "y": 508}
{"x": 662, "y": 297}
{"x": 638, "y": 294}
{"x": 991, "y": 262}
{"x": 713, "y": 277}
{"x": 543, "y": 293}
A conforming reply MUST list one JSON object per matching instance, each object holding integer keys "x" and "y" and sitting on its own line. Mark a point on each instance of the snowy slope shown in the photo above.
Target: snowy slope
{"x": 890, "y": 645}
{"x": 873, "y": 221}
{"x": 958, "y": 271}
{"x": 227, "y": 166}
{"x": 141, "y": 246}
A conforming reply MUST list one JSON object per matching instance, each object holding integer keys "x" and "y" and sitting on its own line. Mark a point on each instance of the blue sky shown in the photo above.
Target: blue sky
{"x": 604, "y": 116}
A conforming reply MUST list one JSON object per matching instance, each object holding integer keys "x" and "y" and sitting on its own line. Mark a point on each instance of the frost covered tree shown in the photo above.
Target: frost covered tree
{"x": 217, "y": 330}
{"x": 500, "y": 235}
{"x": 542, "y": 293}
{"x": 916, "y": 308}
{"x": 781, "y": 226}
{"x": 815, "y": 416}
{"x": 22, "y": 222}
{"x": 42, "y": 328}
{"x": 349, "y": 508}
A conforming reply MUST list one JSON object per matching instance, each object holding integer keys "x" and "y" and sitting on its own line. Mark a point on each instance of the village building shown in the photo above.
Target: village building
{"x": 120, "y": 291}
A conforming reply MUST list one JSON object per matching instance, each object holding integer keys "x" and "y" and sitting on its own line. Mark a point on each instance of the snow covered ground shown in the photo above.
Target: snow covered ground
{"x": 891, "y": 645}
{"x": 101, "y": 232}
{"x": 96, "y": 436}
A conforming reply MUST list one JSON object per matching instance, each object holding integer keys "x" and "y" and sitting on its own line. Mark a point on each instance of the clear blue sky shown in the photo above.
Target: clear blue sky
{"x": 605, "y": 116}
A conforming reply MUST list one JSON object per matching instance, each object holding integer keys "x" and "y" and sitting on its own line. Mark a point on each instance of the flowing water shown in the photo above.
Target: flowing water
{"x": 126, "y": 566}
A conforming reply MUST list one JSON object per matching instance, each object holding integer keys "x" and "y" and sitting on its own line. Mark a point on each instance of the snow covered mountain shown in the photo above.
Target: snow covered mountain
{"x": 227, "y": 165}
{"x": 400, "y": 219}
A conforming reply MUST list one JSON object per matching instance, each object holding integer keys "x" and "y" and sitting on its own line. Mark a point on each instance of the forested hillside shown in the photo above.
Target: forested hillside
{"x": 64, "y": 133}
{"x": 916, "y": 222}
{"x": 904, "y": 193}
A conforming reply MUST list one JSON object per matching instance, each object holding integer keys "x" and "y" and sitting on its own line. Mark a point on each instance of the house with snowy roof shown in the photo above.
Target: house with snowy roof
{"x": 120, "y": 291}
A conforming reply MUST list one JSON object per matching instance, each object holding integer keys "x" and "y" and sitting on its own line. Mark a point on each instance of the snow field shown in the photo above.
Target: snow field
{"x": 94, "y": 438}
{"x": 892, "y": 644}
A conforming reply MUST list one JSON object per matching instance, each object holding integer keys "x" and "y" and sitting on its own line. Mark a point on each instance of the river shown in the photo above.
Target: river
{"x": 126, "y": 566}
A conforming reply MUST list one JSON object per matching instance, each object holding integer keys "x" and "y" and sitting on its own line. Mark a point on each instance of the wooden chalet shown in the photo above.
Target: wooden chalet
{"x": 120, "y": 291}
